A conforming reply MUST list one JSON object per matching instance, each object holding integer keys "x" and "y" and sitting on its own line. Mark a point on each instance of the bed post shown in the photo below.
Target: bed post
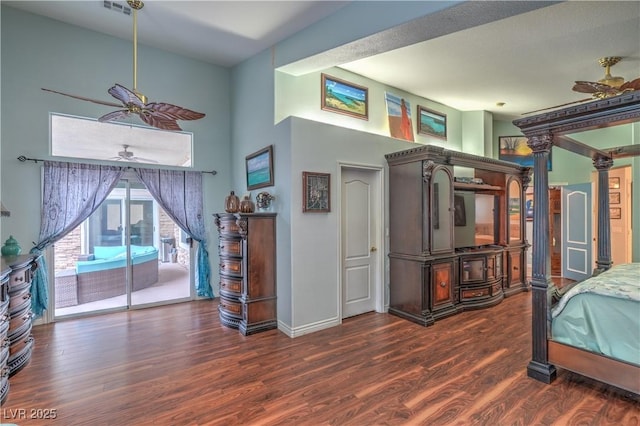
{"x": 541, "y": 284}
{"x": 603, "y": 263}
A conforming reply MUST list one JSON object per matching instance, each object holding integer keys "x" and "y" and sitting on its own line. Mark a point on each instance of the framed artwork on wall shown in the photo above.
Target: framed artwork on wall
{"x": 399, "y": 116}
{"x": 259, "y": 168}
{"x": 432, "y": 123}
{"x": 516, "y": 150}
{"x": 344, "y": 98}
{"x": 316, "y": 192}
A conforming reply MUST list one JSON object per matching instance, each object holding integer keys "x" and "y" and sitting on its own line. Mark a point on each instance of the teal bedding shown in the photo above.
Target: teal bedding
{"x": 602, "y": 314}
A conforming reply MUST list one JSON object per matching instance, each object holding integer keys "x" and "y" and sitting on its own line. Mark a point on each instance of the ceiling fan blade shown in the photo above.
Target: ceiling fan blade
{"x": 598, "y": 89}
{"x": 173, "y": 112}
{"x": 631, "y": 85}
{"x": 82, "y": 98}
{"x": 159, "y": 121}
{"x": 115, "y": 115}
{"x": 558, "y": 106}
{"x": 125, "y": 95}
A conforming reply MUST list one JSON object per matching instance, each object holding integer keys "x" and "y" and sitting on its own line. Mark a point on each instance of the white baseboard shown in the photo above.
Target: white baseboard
{"x": 308, "y": 328}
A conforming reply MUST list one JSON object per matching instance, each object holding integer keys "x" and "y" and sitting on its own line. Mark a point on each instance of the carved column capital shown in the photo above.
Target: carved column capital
{"x": 540, "y": 143}
{"x": 603, "y": 163}
{"x": 242, "y": 227}
{"x": 526, "y": 180}
{"x": 427, "y": 170}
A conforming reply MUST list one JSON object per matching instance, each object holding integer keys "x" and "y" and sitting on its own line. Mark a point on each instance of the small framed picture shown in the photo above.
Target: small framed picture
{"x": 614, "y": 183}
{"x": 432, "y": 123}
{"x": 344, "y": 98}
{"x": 259, "y": 166}
{"x": 516, "y": 150}
{"x": 316, "y": 192}
{"x": 615, "y": 213}
{"x": 614, "y": 198}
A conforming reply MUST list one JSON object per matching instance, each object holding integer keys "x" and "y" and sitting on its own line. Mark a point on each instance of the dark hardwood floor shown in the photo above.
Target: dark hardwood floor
{"x": 176, "y": 365}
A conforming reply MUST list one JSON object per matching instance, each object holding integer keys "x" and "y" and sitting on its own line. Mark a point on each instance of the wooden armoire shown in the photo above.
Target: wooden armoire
{"x": 456, "y": 232}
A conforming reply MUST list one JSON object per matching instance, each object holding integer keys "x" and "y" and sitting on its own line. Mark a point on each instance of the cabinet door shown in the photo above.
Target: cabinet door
{"x": 515, "y": 212}
{"x": 491, "y": 268}
{"x": 473, "y": 269}
{"x": 441, "y": 283}
{"x": 441, "y": 211}
{"x": 515, "y": 269}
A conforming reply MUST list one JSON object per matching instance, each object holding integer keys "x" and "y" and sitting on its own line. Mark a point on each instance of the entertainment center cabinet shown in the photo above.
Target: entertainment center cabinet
{"x": 456, "y": 232}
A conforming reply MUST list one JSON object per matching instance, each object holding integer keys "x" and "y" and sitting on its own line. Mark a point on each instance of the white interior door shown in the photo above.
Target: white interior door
{"x": 577, "y": 263}
{"x": 359, "y": 242}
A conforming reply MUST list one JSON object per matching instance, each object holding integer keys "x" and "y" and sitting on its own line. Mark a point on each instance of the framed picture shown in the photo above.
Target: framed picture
{"x": 432, "y": 123}
{"x": 615, "y": 213}
{"x": 614, "y": 183}
{"x": 259, "y": 166}
{"x": 516, "y": 150}
{"x": 316, "y": 192}
{"x": 344, "y": 98}
{"x": 614, "y": 198}
{"x": 399, "y": 116}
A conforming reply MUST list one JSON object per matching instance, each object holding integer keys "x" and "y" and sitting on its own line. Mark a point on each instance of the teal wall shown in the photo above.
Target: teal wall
{"x": 39, "y": 52}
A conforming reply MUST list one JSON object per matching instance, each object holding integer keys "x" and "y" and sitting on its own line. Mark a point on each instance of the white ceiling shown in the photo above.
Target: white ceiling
{"x": 529, "y": 61}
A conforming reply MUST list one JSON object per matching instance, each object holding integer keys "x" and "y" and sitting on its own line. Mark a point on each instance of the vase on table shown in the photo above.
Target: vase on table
{"x": 232, "y": 203}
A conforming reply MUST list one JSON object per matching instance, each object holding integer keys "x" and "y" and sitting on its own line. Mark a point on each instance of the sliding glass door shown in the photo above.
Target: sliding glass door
{"x": 128, "y": 253}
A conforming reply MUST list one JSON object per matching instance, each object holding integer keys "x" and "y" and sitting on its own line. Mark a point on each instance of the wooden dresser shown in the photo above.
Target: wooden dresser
{"x": 4, "y": 332}
{"x": 247, "y": 249}
{"x": 20, "y": 338}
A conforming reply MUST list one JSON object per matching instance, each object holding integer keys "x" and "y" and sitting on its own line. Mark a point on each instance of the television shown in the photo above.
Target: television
{"x": 474, "y": 219}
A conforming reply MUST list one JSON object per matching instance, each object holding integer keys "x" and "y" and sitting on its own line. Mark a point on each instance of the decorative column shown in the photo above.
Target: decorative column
{"x": 541, "y": 285}
{"x": 603, "y": 263}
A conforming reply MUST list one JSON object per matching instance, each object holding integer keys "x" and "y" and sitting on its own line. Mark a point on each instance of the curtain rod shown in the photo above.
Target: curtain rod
{"x": 23, "y": 159}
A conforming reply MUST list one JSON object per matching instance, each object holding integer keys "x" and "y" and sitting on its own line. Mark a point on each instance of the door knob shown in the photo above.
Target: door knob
{"x": 373, "y": 249}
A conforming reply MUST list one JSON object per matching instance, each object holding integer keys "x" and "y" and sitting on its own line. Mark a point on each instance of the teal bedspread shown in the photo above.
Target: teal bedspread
{"x": 602, "y": 314}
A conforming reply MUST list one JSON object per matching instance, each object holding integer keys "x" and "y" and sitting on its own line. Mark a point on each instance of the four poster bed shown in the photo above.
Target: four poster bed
{"x": 604, "y": 310}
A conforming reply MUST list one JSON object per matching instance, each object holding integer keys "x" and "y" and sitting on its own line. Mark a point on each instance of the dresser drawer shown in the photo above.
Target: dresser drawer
{"x": 19, "y": 278}
{"x": 496, "y": 288}
{"x": 19, "y": 303}
{"x": 230, "y": 308}
{"x": 228, "y": 247}
{"x": 228, "y": 226}
{"x": 230, "y": 286}
{"x": 475, "y": 293}
{"x": 231, "y": 267}
{"x": 18, "y": 345}
{"x": 18, "y": 321}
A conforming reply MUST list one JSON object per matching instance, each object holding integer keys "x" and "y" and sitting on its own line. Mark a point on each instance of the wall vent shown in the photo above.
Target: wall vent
{"x": 117, "y": 7}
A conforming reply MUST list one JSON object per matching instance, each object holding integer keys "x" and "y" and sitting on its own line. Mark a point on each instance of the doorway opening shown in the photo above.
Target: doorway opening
{"x": 128, "y": 254}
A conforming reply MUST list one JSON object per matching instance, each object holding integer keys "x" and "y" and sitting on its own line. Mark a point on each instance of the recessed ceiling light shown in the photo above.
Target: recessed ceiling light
{"x": 500, "y": 104}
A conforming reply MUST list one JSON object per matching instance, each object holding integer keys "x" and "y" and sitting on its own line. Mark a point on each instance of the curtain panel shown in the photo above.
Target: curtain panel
{"x": 71, "y": 192}
{"x": 180, "y": 195}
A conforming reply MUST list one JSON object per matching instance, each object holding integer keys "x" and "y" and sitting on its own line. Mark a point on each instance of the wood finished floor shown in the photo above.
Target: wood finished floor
{"x": 176, "y": 365}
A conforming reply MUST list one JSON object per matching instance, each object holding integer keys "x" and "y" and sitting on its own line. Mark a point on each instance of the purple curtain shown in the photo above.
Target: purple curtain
{"x": 180, "y": 195}
{"x": 71, "y": 193}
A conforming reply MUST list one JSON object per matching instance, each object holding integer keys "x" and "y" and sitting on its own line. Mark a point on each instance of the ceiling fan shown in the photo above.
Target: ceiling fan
{"x": 161, "y": 115}
{"x": 126, "y": 155}
{"x": 606, "y": 87}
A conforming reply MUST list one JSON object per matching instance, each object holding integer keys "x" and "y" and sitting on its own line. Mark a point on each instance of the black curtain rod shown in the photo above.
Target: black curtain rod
{"x": 22, "y": 158}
